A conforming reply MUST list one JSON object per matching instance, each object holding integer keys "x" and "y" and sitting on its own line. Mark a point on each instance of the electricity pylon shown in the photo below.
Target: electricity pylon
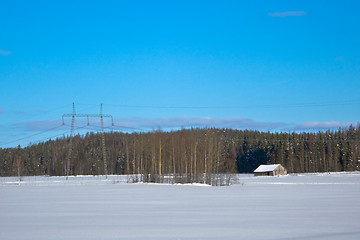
{"x": 73, "y": 116}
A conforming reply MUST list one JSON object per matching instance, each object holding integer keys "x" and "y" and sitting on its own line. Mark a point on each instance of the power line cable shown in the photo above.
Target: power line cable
{"x": 125, "y": 127}
{"x": 48, "y": 130}
{"x": 24, "y": 120}
{"x": 293, "y": 105}
{"x": 77, "y": 128}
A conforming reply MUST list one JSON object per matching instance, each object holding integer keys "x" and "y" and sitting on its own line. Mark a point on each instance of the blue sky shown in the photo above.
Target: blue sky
{"x": 264, "y": 65}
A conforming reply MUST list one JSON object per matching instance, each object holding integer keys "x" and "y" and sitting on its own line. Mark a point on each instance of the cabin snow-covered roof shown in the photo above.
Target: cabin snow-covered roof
{"x": 266, "y": 168}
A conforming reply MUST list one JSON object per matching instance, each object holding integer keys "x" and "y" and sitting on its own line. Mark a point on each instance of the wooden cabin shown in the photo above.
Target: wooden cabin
{"x": 270, "y": 170}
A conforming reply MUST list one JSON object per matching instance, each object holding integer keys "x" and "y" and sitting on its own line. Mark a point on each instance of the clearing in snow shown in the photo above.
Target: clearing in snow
{"x": 307, "y": 206}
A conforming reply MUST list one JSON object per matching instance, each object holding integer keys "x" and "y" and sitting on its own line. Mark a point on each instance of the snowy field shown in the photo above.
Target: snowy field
{"x": 308, "y": 206}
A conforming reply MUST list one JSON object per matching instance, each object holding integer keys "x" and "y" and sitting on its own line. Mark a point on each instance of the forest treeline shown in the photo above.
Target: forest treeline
{"x": 189, "y": 155}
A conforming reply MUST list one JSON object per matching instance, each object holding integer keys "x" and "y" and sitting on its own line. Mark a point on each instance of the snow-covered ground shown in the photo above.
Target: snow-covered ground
{"x": 307, "y": 206}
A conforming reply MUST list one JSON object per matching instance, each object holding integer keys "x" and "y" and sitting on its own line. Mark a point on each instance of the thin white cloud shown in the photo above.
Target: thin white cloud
{"x": 287, "y": 14}
{"x": 175, "y": 123}
{"x": 178, "y": 122}
{"x": 340, "y": 58}
{"x": 4, "y": 52}
{"x": 19, "y": 112}
{"x": 38, "y": 125}
{"x": 310, "y": 126}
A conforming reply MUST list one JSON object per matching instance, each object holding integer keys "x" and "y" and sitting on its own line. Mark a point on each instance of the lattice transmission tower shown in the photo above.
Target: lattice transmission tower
{"x": 74, "y": 115}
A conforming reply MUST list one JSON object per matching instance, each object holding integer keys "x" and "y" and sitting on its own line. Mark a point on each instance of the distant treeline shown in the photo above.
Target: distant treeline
{"x": 188, "y": 155}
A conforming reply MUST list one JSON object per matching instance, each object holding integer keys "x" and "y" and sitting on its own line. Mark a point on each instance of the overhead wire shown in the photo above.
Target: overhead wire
{"x": 289, "y": 105}
{"x": 311, "y": 104}
{"x": 125, "y": 127}
{"x": 26, "y": 119}
{"x": 23, "y": 138}
{"x": 63, "y": 133}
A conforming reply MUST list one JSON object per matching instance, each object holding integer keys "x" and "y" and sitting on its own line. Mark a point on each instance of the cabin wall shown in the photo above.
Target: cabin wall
{"x": 264, "y": 174}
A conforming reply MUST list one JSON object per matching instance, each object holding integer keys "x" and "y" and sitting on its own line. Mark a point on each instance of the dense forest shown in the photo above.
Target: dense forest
{"x": 189, "y": 155}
